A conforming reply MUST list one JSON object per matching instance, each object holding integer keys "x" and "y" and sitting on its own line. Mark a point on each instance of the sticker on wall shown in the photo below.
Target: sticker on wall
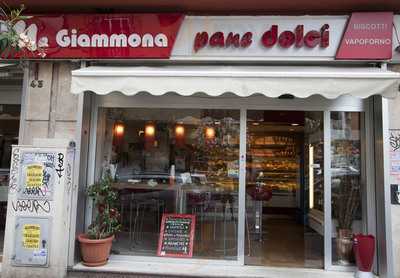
{"x": 395, "y": 194}
{"x": 37, "y": 175}
{"x": 394, "y": 142}
{"x": 34, "y": 176}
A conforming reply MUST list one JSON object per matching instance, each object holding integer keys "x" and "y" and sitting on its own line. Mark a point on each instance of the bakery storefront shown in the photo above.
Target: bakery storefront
{"x": 264, "y": 131}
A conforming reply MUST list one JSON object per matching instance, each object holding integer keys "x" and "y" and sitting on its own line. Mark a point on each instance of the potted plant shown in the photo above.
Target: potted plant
{"x": 345, "y": 207}
{"x": 96, "y": 243}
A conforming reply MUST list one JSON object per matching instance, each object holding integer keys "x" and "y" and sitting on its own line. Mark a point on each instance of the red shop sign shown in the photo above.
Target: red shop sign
{"x": 127, "y": 36}
{"x": 367, "y": 36}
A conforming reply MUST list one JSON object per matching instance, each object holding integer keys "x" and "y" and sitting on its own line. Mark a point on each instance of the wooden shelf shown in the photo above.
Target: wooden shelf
{"x": 279, "y": 158}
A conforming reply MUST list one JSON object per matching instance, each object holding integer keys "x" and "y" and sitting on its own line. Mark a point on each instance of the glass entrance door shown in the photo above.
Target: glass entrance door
{"x": 284, "y": 189}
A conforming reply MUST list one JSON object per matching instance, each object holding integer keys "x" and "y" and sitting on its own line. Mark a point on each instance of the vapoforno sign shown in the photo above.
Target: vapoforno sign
{"x": 105, "y": 35}
{"x": 368, "y": 36}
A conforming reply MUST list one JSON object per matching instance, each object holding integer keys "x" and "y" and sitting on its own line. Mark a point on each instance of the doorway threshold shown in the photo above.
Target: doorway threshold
{"x": 118, "y": 268}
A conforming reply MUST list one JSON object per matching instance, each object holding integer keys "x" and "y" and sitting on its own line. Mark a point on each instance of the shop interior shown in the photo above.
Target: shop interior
{"x": 186, "y": 161}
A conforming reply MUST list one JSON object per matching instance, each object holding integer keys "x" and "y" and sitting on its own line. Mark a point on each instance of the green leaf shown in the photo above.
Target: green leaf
{"x": 3, "y": 45}
{"x": 23, "y": 17}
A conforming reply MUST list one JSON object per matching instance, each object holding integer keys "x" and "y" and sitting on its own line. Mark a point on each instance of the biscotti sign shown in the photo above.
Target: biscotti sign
{"x": 104, "y": 35}
{"x": 367, "y": 36}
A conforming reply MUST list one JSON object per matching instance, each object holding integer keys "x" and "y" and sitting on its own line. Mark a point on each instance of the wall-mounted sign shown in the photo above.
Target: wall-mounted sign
{"x": 31, "y": 245}
{"x": 368, "y": 36}
{"x": 176, "y": 235}
{"x": 175, "y": 36}
{"x": 104, "y": 35}
{"x": 259, "y": 37}
{"x": 37, "y": 174}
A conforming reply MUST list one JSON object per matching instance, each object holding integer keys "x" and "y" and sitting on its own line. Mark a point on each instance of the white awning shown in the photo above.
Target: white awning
{"x": 270, "y": 81}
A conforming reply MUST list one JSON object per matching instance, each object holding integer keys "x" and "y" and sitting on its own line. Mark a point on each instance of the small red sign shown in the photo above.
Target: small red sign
{"x": 368, "y": 36}
{"x": 126, "y": 36}
{"x": 176, "y": 235}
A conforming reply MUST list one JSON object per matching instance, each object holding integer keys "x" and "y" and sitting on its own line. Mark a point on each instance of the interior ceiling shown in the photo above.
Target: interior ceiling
{"x": 267, "y": 7}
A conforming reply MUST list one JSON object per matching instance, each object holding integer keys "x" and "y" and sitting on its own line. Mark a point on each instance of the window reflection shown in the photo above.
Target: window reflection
{"x": 173, "y": 161}
{"x": 346, "y": 184}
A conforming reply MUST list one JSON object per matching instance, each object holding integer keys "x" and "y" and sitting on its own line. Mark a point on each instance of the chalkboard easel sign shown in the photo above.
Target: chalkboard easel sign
{"x": 176, "y": 235}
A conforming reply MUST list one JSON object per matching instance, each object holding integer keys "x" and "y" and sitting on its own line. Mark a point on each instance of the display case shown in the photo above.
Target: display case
{"x": 273, "y": 162}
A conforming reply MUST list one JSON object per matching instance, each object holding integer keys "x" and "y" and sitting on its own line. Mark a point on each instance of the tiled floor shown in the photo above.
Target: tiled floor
{"x": 287, "y": 244}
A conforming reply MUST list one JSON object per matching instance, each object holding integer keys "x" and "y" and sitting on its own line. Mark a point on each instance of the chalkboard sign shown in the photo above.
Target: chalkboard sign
{"x": 176, "y": 235}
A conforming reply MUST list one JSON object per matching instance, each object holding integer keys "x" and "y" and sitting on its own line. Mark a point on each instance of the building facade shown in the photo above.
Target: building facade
{"x": 276, "y": 133}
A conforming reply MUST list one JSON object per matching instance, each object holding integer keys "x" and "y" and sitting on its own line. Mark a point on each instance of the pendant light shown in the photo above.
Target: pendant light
{"x": 119, "y": 129}
{"x": 210, "y": 133}
{"x": 149, "y": 130}
{"x": 179, "y": 131}
{"x": 180, "y": 135}
{"x": 149, "y": 135}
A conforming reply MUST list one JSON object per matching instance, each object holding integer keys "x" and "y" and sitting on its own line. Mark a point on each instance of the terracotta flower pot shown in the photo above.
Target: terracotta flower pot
{"x": 95, "y": 252}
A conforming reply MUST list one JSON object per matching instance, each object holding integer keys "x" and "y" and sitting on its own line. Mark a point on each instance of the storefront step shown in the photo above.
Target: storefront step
{"x": 124, "y": 269}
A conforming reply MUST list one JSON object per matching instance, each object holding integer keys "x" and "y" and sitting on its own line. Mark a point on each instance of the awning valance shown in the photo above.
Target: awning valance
{"x": 243, "y": 81}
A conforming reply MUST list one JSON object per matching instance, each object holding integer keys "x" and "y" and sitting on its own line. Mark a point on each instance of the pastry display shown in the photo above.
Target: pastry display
{"x": 274, "y": 160}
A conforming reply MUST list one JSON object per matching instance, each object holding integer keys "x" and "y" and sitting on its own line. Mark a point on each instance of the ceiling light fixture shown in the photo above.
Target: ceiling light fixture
{"x": 119, "y": 128}
{"x": 210, "y": 133}
{"x": 149, "y": 130}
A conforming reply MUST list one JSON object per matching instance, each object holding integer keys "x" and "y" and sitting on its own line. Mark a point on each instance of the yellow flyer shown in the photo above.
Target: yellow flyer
{"x": 34, "y": 176}
{"x": 31, "y": 236}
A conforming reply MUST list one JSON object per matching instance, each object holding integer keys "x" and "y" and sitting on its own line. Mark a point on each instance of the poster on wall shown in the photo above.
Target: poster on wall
{"x": 176, "y": 235}
{"x": 37, "y": 175}
{"x": 31, "y": 245}
{"x": 394, "y": 142}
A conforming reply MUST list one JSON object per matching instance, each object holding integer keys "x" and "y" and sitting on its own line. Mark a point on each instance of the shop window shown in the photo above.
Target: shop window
{"x": 183, "y": 161}
{"x": 346, "y": 184}
{"x": 9, "y": 130}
